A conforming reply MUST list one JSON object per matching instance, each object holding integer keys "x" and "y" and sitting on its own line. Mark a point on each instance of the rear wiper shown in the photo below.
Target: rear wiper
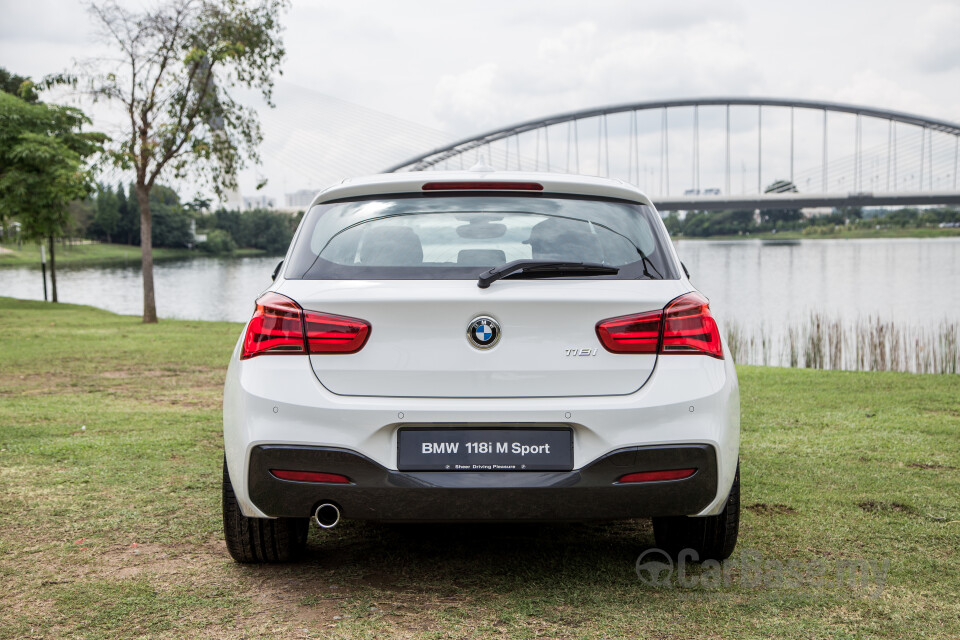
{"x": 546, "y": 269}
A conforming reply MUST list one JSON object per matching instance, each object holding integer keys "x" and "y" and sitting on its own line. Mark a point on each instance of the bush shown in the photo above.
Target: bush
{"x": 218, "y": 242}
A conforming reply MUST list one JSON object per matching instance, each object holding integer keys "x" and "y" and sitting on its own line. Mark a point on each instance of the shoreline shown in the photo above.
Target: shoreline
{"x": 852, "y": 234}
{"x": 105, "y": 255}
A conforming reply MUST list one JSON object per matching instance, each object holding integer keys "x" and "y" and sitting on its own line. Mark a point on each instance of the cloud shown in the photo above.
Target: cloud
{"x": 585, "y": 65}
{"x": 939, "y": 48}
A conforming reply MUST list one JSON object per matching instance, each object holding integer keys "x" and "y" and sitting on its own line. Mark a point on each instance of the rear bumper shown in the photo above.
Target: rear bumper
{"x": 589, "y": 493}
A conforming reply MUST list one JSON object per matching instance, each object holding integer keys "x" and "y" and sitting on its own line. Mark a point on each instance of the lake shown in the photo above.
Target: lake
{"x": 759, "y": 289}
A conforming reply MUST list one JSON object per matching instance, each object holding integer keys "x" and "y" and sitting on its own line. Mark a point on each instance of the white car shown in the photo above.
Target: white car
{"x": 480, "y": 346}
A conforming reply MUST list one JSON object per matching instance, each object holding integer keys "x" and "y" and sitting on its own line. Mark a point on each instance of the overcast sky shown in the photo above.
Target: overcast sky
{"x": 441, "y": 70}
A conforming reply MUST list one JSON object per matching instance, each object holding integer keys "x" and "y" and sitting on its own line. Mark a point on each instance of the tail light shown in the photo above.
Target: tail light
{"x": 631, "y": 334}
{"x": 685, "y": 325}
{"x": 280, "y": 326}
{"x": 328, "y": 333}
{"x": 688, "y": 327}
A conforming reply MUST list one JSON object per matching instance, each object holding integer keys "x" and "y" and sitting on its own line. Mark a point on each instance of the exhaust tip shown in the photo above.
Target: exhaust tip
{"x": 326, "y": 516}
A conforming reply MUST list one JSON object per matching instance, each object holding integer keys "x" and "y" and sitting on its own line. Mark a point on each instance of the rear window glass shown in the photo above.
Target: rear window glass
{"x": 459, "y": 237}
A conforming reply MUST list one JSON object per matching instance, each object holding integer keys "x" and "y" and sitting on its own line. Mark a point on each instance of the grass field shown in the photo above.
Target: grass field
{"x": 97, "y": 254}
{"x": 110, "y": 454}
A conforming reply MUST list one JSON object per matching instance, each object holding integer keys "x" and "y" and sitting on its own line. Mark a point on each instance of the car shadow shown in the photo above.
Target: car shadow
{"x": 446, "y": 559}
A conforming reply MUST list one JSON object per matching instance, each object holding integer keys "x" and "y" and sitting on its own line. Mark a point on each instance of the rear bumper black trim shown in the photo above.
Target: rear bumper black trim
{"x": 589, "y": 493}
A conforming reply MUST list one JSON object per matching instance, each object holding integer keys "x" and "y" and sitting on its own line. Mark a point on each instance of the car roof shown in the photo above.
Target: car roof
{"x": 413, "y": 181}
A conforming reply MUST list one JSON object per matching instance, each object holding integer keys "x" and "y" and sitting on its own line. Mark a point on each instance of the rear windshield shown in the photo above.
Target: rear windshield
{"x": 458, "y": 237}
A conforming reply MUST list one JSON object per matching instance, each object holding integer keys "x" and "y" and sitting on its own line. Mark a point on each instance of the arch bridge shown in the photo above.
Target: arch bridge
{"x": 732, "y": 153}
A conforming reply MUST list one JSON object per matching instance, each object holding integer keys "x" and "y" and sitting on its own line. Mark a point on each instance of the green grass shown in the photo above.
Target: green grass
{"x": 113, "y": 530}
{"x": 96, "y": 254}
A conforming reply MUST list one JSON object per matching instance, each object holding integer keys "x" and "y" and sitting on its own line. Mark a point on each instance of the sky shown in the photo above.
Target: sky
{"x": 368, "y": 83}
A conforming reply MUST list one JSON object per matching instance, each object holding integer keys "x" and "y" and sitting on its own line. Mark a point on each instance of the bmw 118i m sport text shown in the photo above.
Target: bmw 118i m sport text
{"x": 477, "y": 346}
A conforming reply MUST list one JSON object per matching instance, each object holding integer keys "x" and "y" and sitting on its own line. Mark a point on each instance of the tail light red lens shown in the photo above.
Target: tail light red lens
{"x": 631, "y": 334}
{"x": 309, "y": 476}
{"x": 276, "y": 327}
{"x": 656, "y": 476}
{"x": 335, "y": 334}
{"x": 688, "y": 327}
{"x": 685, "y": 325}
{"x": 280, "y": 326}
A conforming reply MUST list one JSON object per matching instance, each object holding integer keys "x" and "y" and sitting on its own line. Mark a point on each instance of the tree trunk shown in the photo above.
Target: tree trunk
{"x": 53, "y": 271}
{"x": 146, "y": 254}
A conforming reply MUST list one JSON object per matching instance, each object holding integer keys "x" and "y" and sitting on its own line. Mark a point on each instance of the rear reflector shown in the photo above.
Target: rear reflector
{"x": 656, "y": 476}
{"x": 482, "y": 186}
{"x": 280, "y": 326}
{"x": 684, "y": 326}
{"x": 309, "y": 476}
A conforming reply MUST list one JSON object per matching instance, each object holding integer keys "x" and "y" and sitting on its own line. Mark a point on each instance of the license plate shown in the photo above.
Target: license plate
{"x": 545, "y": 449}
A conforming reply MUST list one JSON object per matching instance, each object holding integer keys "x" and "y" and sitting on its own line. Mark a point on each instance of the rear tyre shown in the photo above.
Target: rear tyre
{"x": 712, "y": 537}
{"x": 260, "y": 540}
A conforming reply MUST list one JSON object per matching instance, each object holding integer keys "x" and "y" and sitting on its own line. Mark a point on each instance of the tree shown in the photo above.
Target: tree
{"x": 129, "y": 225}
{"x": 106, "y": 219}
{"x": 19, "y": 86}
{"x": 43, "y": 153}
{"x": 178, "y": 63}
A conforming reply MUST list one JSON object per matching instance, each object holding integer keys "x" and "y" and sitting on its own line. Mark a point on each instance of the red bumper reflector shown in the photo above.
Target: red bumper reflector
{"x": 656, "y": 476}
{"x": 482, "y": 186}
{"x": 309, "y": 476}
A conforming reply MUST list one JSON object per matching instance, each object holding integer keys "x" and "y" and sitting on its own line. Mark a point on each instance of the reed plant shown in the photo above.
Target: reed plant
{"x": 868, "y": 343}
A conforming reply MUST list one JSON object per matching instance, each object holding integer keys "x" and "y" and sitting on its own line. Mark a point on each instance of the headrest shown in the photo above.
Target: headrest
{"x": 391, "y": 246}
{"x": 562, "y": 239}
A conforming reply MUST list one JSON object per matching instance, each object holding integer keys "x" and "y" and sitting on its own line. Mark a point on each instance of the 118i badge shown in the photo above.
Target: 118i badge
{"x": 483, "y": 332}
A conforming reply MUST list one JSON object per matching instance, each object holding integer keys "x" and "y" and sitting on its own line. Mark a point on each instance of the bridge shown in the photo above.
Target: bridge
{"x": 732, "y": 153}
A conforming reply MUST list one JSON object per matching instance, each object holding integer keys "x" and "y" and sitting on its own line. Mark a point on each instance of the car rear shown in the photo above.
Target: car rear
{"x": 379, "y": 379}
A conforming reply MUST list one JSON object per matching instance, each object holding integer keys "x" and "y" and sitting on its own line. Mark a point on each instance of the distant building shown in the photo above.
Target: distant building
{"x": 197, "y": 237}
{"x": 258, "y": 202}
{"x": 299, "y": 199}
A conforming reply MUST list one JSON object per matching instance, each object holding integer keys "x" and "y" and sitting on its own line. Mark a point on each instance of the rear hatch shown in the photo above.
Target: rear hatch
{"x": 419, "y": 344}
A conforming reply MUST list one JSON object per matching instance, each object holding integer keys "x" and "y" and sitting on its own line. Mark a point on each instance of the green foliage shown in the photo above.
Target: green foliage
{"x": 171, "y": 226}
{"x": 704, "y": 224}
{"x": 268, "y": 231}
{"x": 257, "y": 229}
{"x": 42, "y": 163}
{"x": 16, "y": 85}
{"x": 673, "y": 223}
{"x": 721, "y": 223}
{"x": 116, "y": 220}
{"x": 106, "y": 220}
{"x": 219, "y": 242}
